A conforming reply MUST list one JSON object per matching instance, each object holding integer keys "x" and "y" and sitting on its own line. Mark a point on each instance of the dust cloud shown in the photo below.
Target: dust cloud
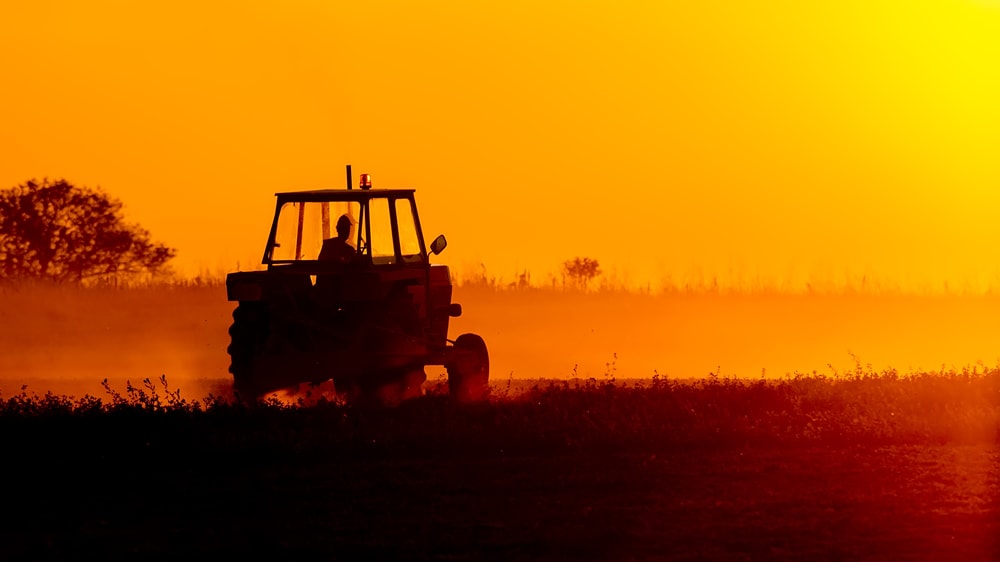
{"x": 562, "y": 334}
{"x": 66, "y": 341}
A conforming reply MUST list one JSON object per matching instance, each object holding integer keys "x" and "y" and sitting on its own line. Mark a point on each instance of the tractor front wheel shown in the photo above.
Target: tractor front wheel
{"x": 469, "y": 371}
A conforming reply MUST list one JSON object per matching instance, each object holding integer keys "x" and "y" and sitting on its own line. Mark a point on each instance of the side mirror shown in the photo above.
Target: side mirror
{"x": 439, "y": 244}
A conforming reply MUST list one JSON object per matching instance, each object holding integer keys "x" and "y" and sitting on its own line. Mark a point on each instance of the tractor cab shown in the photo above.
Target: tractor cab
{"x": 380, "y": 227}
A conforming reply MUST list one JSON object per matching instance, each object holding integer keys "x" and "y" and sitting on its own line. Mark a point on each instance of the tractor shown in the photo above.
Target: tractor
{"x": 363, "y": 308}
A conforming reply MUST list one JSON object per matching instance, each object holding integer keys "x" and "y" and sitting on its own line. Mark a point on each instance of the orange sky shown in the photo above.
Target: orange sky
{"x": 777, "y": 142}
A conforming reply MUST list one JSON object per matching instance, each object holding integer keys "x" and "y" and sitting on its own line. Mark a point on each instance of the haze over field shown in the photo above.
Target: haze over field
{"x": 778, "y": 144}
{"x": 66, "y": 341}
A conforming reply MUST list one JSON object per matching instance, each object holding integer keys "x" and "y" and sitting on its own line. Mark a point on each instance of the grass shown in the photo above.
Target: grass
{"x": 862, "y": 407}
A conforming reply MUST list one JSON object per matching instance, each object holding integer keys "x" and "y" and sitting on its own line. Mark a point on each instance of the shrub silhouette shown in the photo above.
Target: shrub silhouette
{"x": 580, "y": 271}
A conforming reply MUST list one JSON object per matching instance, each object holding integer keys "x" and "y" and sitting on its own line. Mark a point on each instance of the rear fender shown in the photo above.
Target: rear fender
{"x": 439, "y": 301}
{"x": 253, "y": 286}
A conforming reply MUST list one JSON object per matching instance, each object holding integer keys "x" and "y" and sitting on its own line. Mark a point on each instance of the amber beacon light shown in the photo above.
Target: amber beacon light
{"x": 366, "y": 181}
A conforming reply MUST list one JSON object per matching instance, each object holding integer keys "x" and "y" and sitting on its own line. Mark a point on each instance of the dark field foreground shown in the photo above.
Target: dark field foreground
{"x": 865, "y": 466}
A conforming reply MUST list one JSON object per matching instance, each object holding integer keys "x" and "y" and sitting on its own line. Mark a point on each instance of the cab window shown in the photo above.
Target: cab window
{"x": 302, "y": 228}
{"x": 382, "y": 249}
{"x": 409, "y": 240}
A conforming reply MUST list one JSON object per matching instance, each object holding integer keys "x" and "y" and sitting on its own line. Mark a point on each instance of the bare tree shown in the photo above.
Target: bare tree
{"x": 56, "y": 231}
{"x": 580, "y": 271}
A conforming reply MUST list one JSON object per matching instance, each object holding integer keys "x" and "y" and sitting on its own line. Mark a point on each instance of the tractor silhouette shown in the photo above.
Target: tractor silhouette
{"x": 364, "y": 308}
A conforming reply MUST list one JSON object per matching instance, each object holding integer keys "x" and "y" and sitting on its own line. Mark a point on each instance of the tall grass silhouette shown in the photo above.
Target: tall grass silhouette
{"x": 859, "y": 407}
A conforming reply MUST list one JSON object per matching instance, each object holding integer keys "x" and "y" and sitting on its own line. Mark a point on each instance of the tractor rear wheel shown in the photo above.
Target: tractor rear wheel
{"x": 469, "y": 372}
{"x": 247, "y": 336}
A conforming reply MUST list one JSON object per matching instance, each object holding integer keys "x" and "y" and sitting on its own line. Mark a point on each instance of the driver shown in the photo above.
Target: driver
{"x": 339, "y": 249}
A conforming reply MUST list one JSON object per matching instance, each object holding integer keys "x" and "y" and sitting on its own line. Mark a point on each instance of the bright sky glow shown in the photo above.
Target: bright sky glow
{"x": 778, "y": 143}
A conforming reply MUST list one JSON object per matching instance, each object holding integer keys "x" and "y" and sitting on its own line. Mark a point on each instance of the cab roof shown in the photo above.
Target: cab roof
{"x": 320, "y": 195}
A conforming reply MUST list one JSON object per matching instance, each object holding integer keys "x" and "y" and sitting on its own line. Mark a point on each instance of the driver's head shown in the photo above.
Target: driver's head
{"x": 344, "y": 226}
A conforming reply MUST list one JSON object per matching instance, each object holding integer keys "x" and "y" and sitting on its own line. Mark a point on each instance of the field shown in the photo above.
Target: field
{"x": 866, "y": 466}
{"x": 860, "y": 462}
